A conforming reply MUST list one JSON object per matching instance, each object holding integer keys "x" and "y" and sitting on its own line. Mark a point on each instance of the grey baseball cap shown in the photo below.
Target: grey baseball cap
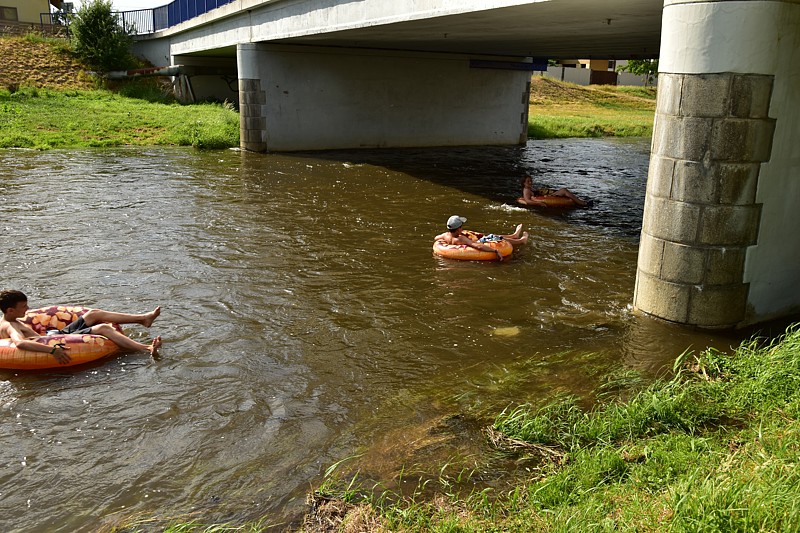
{"x": 455, "y": 222}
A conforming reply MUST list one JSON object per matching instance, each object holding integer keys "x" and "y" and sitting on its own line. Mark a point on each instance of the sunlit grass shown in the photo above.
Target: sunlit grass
{"x": 560, "y": 109}
{"x": 715, "y": 448}
{"x": 44, "y": 119}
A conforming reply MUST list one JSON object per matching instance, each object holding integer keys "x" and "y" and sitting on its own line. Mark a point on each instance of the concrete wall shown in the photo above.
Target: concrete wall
{"x": 718, "y": 244}
{"x": 329, "y": 98}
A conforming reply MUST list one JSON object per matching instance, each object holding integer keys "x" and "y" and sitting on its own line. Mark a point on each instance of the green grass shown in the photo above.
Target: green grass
{"x": 715, "y": 448}
{"x": 561, "y": 109}
{"x": 44, "y": 119}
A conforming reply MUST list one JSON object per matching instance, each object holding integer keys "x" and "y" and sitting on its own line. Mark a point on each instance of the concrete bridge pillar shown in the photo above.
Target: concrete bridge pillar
{"x": 720, "y": 245}
{"x": 318, "y": 98}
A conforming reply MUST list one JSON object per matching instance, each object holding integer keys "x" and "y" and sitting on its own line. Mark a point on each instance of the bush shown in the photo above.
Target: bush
{"x": 99, "y": 38}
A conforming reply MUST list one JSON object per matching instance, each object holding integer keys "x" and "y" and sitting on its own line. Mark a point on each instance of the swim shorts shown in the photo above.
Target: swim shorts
{"x": 491, "y": 238}
{"x": 77, "y": 327}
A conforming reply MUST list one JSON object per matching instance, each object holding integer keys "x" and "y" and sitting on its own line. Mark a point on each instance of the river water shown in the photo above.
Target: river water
{"x": 305, "y": 319}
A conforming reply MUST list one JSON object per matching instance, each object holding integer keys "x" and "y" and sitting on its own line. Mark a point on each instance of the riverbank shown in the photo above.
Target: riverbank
{"x": 713, "y": 449}
{"x": 48, "y": 100}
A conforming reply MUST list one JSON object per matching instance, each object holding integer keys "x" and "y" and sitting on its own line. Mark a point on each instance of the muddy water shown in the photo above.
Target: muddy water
{"x": 305, "y": 319}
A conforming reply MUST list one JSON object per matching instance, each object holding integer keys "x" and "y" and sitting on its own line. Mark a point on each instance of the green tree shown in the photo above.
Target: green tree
{"x": 642, "y": 67}
{"x": 99, "y": 38}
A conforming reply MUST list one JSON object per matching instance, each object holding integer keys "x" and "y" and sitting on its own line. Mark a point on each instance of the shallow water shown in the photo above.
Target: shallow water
{"x": 305, "y": 318}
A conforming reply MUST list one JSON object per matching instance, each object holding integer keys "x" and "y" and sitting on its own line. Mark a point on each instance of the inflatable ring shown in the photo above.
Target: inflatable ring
{"x": 549, "y": 201}
{"x": 82, "y": 348}
{"x": 468, "y": 253}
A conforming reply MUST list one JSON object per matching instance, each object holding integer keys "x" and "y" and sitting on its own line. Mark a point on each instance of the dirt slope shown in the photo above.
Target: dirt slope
{"x": 39, "y": 64}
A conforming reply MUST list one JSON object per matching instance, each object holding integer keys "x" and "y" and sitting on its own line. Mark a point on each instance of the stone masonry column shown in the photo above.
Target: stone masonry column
{"x": 712, "y": 133}
{"x": 252, "y": 100}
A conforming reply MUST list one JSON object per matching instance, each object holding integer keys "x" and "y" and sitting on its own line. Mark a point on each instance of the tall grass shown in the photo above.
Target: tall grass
{"x": 44, "y": 119}
{"x": 715, "y": 448}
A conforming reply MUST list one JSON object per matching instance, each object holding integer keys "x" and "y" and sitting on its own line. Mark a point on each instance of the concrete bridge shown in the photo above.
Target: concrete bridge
{"x": 720, "y": 244}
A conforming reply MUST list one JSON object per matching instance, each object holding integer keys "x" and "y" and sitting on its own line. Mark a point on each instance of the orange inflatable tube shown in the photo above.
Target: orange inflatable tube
{"x": 549, "y": 201}
{"x": 82, "y": 348}
{"x": 467, "y": 253}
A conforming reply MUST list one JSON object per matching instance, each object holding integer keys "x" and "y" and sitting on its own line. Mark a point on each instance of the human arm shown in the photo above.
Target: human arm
{"x": 59, "y": 352}
{"x": 479, "y": 246}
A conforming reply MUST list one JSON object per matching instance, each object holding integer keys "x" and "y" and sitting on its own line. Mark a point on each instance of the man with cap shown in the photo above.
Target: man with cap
{"x": 453, "y": 235}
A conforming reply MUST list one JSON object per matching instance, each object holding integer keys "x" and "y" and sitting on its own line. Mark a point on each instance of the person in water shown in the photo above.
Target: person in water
{"x": 14, "y": 305}
{"x": 528, "y": 193}
{"x": 454, "y": 235}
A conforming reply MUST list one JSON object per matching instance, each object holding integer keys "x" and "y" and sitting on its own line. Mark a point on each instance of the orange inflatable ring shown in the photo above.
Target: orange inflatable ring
{"x": 468, "y": 253}
{"x": 82, "y": 348}
{"x": 549, "y": 201}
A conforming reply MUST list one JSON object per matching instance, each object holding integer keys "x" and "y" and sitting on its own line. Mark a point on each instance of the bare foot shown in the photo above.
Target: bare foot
{"x": 524, "y": 238}
{"x": 154, "y": 346}
{"x": 151, "y": 317}
{"x": 518, "y": 231}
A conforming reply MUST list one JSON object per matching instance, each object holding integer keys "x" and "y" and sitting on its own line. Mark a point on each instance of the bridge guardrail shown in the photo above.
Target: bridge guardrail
{"x": 144, "y": 21}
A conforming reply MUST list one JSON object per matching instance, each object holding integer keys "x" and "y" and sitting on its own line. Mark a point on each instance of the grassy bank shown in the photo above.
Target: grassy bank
{"x": 48, "y": 118}
{"x": 49, "y": 100}
{"x": 713, "y": 449}
{"x": 558, "y": 109}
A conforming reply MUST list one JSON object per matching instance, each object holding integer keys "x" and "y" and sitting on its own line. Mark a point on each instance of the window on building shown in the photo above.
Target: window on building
{"x": 8, "y": 13}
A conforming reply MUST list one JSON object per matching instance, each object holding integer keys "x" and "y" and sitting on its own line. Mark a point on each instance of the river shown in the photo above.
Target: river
{"x": 305, "y": 319}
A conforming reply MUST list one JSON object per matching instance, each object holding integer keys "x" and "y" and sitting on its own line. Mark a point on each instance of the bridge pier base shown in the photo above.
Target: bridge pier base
{"x": 719, "y": 245}
{"x": 316, "y": 98}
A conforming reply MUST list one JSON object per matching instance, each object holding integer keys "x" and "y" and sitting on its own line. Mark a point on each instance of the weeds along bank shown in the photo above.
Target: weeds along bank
{"x": 713, "y": 449}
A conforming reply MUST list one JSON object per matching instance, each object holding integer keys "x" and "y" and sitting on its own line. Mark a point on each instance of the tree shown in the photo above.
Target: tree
{"x": 99, "y": 38}
{"x": 642, "y": 67}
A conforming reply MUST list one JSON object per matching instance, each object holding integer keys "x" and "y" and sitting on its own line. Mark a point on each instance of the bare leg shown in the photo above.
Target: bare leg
{"x": 99, "y": 316}
{"x": 124, "y": 342}
{"x": 516, "y": 235}
{"x": 517, "y": 242}
{"x": 568, "y": 194}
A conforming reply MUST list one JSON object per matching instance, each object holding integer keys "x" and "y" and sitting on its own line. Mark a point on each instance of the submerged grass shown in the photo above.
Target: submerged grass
{"x": 44, "y": 119}
{"x": 713, "y": 449}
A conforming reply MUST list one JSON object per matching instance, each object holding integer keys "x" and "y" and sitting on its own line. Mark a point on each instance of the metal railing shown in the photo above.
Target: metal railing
{"x": 144, "y": 21}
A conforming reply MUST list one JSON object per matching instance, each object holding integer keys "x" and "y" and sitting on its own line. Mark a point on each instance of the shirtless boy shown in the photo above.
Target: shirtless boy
{"x": 14, "y": 305}
{"x": 453, "y": 235}
{"x": 528, "y": 193}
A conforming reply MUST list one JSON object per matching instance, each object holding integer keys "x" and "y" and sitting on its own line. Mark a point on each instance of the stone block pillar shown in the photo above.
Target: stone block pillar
{"x": 712, "y": 135}
{"x": 252, "y": 100}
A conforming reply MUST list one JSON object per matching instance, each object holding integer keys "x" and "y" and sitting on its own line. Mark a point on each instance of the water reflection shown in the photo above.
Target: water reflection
{"x": 305, "y": 317}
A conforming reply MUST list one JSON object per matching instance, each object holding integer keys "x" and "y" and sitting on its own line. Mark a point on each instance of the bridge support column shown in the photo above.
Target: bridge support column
{"x": 317, "y": 98}
{"x": 719, "y": 245}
